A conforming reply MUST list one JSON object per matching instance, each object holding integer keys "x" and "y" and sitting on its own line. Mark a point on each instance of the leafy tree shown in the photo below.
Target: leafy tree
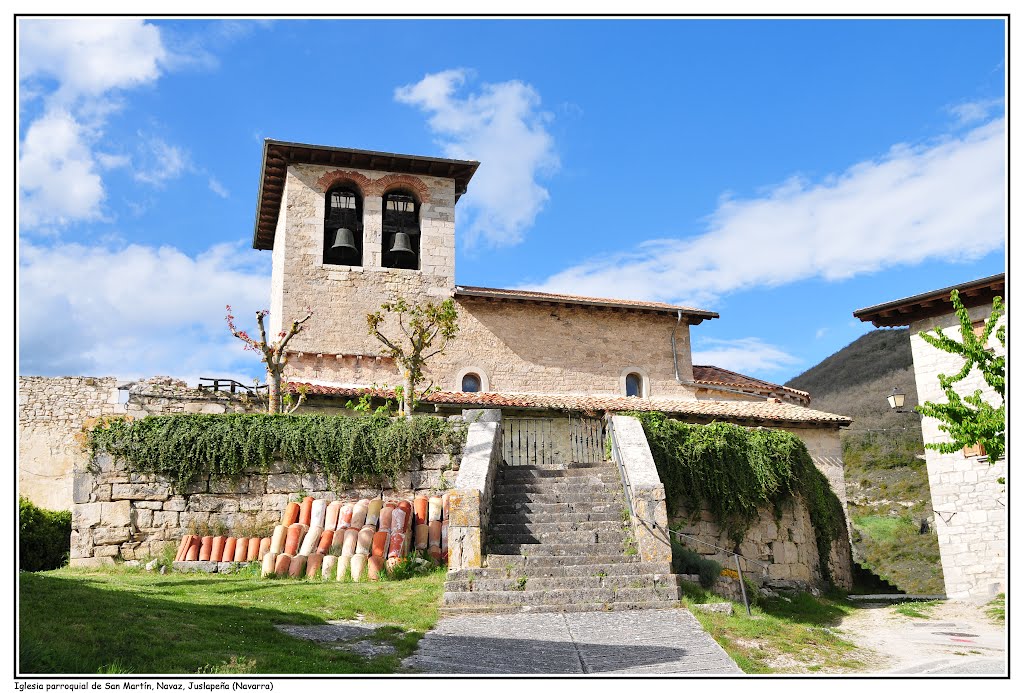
{"x": 971, "y": 420}
{"x": 273, "y": 356}
{"x": 426, "y": 329}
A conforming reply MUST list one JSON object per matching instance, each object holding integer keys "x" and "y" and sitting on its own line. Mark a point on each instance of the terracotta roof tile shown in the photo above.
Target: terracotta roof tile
{"x": 771, "y": 411}
{"x": 539, "y": 296}
{"x": 713, "y": 375}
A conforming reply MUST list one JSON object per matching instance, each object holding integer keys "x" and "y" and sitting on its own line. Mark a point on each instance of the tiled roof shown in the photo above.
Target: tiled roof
{"x": 695, "y": 314}
{"x": 906, "y": 310}
{"x": 771, "y": 411}
{"x": 713, "y": 375}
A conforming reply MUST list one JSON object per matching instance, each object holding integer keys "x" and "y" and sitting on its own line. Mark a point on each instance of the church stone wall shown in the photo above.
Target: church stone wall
{"x": 525, "y": 347}
{"x": 517, "y": 347}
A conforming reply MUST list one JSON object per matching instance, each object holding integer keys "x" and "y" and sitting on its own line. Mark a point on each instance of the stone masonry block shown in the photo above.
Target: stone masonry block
{"x": 464, "y": 508}
{"x": 176, "y": 504}
{"x": 85, "y": 515}
{"x": 163, "y": 518}
{"x": 224, "y": 485}
{"x": 284, "y": 483}
{"x": 464, "y": 548}
{"x": 104, "y": 536}
{"x": 212, "y": 504}
{"x": 116, "y": 513}
{"x": 157, "y": 491}
{"x": 143, "y": 518}
{"x": 81, "y": 488}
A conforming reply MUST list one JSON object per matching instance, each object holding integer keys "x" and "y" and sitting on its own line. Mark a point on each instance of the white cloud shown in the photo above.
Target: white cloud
{"x": 137, "y": 310}
{"x": 502, "y": 126}
{"x": 217, "y": 188}
{"x": 969, "y": 112}
{"x": 942, "y": 200}
{"x": 746, "y": 355}
{"x": 159, "y": 162}
{"x": 79, "y": 66}
{"x": 89, "y": 56}
{"x": 58, "y": 174}
{"x": 821, "y": 332}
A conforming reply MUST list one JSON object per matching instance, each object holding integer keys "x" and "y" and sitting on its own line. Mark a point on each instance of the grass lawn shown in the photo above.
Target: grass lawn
{"x": 126, "y": 620}
{"x": 781, "y": 636}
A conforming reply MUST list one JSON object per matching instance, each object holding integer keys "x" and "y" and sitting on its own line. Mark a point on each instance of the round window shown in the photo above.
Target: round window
{"x": 471, "y": 382}
{"x": 634, "y": 385}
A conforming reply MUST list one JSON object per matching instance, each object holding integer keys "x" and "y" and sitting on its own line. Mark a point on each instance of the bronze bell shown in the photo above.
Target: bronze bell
{"x": 344, "y": 241}
{"x": 402, "y": 244}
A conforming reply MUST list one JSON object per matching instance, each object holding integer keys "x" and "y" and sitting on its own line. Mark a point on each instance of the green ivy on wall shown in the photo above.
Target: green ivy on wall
{"x": 734, "y": 472}
{"x": 182, "y": 447}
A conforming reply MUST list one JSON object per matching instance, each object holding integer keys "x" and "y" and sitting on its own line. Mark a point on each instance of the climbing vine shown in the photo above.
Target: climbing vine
{"x": 182, "y": 447}
{"x": 734, "y": 472}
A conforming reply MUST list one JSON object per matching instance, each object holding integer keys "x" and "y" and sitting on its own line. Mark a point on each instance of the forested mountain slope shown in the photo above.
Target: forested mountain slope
{"x": 886, "y": 480}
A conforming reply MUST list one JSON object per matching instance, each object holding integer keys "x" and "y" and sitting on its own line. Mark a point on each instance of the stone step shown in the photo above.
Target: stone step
{"x": 547, "y": 584}
{"x": 547, "y": 608}
{"x": 575, "y": 550}
{"x": 667, "y": 593}
{"x": 519, "y": 561}
{"x": 612, "y": 537}
{"x": 529, "y": 508}
{"x": 535, "y": 528}
{"x": 530, "y": 569}
{"x": 540, "y": 518}
{"x": 540, "y": 471}
{"x": 504, "y": 489}
{"x": 502, "y": 480}
{"x": 574, "y": 496}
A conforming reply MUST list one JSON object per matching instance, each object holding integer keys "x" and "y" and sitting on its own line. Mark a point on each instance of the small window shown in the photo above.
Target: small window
{"x": 634, "y": 385}
{"x": 401, "y": 240}
{"x": 471, "y": 383}
{"x": 343, "y": 228}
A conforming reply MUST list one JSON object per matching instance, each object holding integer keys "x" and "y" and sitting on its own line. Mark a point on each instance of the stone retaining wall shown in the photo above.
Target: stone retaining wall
{"x": 52, "y": 411}
{"x": 131, "y": 516}
{"x": 782, "y": 552}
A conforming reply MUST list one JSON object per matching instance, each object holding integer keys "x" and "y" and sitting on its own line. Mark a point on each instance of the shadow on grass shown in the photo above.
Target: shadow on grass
{"x": 72, "y": 624}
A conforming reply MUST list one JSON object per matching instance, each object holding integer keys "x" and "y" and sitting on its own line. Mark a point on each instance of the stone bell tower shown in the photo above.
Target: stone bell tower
{"x": 349, "y": 230}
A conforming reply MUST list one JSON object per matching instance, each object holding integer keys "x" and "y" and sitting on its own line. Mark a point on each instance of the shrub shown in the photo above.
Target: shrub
{"x": 735, "y": 472}
{"x": 44, "y": 537}
{"x": 182, "y": 447}
{"x": 687, "y": 562}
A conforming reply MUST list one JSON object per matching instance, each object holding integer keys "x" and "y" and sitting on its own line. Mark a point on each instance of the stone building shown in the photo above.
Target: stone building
{"x": 350, "y": 229}
{"x": 967, "y": 498}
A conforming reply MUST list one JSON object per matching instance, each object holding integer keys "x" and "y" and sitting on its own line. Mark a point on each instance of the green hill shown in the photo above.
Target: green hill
{"x": 886, "y": 477}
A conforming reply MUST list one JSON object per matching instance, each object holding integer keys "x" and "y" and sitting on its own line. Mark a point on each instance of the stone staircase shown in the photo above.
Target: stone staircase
{"x": 559, "y": 540}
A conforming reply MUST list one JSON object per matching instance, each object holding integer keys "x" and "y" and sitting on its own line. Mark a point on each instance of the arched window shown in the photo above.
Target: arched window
{"x": 634, "y": 385}
{"x": 471, "y": 383}
{"x": 401, "y": 242}
{"x": 343, "y": 227}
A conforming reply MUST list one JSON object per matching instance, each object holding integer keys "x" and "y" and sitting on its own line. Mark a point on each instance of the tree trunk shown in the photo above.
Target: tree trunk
{"x": 407, "y": 394}
{"x": 273, "y": 390}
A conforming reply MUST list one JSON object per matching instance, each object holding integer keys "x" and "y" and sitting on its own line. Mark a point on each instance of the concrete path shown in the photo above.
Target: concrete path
{"x": 633, "y": 643}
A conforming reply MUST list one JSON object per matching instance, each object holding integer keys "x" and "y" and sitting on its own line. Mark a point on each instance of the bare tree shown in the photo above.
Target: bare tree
{"x": 273, "y": 355}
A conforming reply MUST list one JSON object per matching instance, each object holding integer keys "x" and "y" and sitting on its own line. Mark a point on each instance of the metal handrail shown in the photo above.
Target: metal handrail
{"x": 617, "y": 456}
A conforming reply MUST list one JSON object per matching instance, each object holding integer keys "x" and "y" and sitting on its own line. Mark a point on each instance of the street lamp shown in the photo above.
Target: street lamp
{"x": 896, "y": 400}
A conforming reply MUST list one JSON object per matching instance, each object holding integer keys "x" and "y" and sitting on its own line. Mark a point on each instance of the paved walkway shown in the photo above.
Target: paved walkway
{"x": 634, "y": 643}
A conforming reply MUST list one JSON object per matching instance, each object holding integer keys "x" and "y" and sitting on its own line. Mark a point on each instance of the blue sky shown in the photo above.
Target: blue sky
{"x": 781, "y": 172}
